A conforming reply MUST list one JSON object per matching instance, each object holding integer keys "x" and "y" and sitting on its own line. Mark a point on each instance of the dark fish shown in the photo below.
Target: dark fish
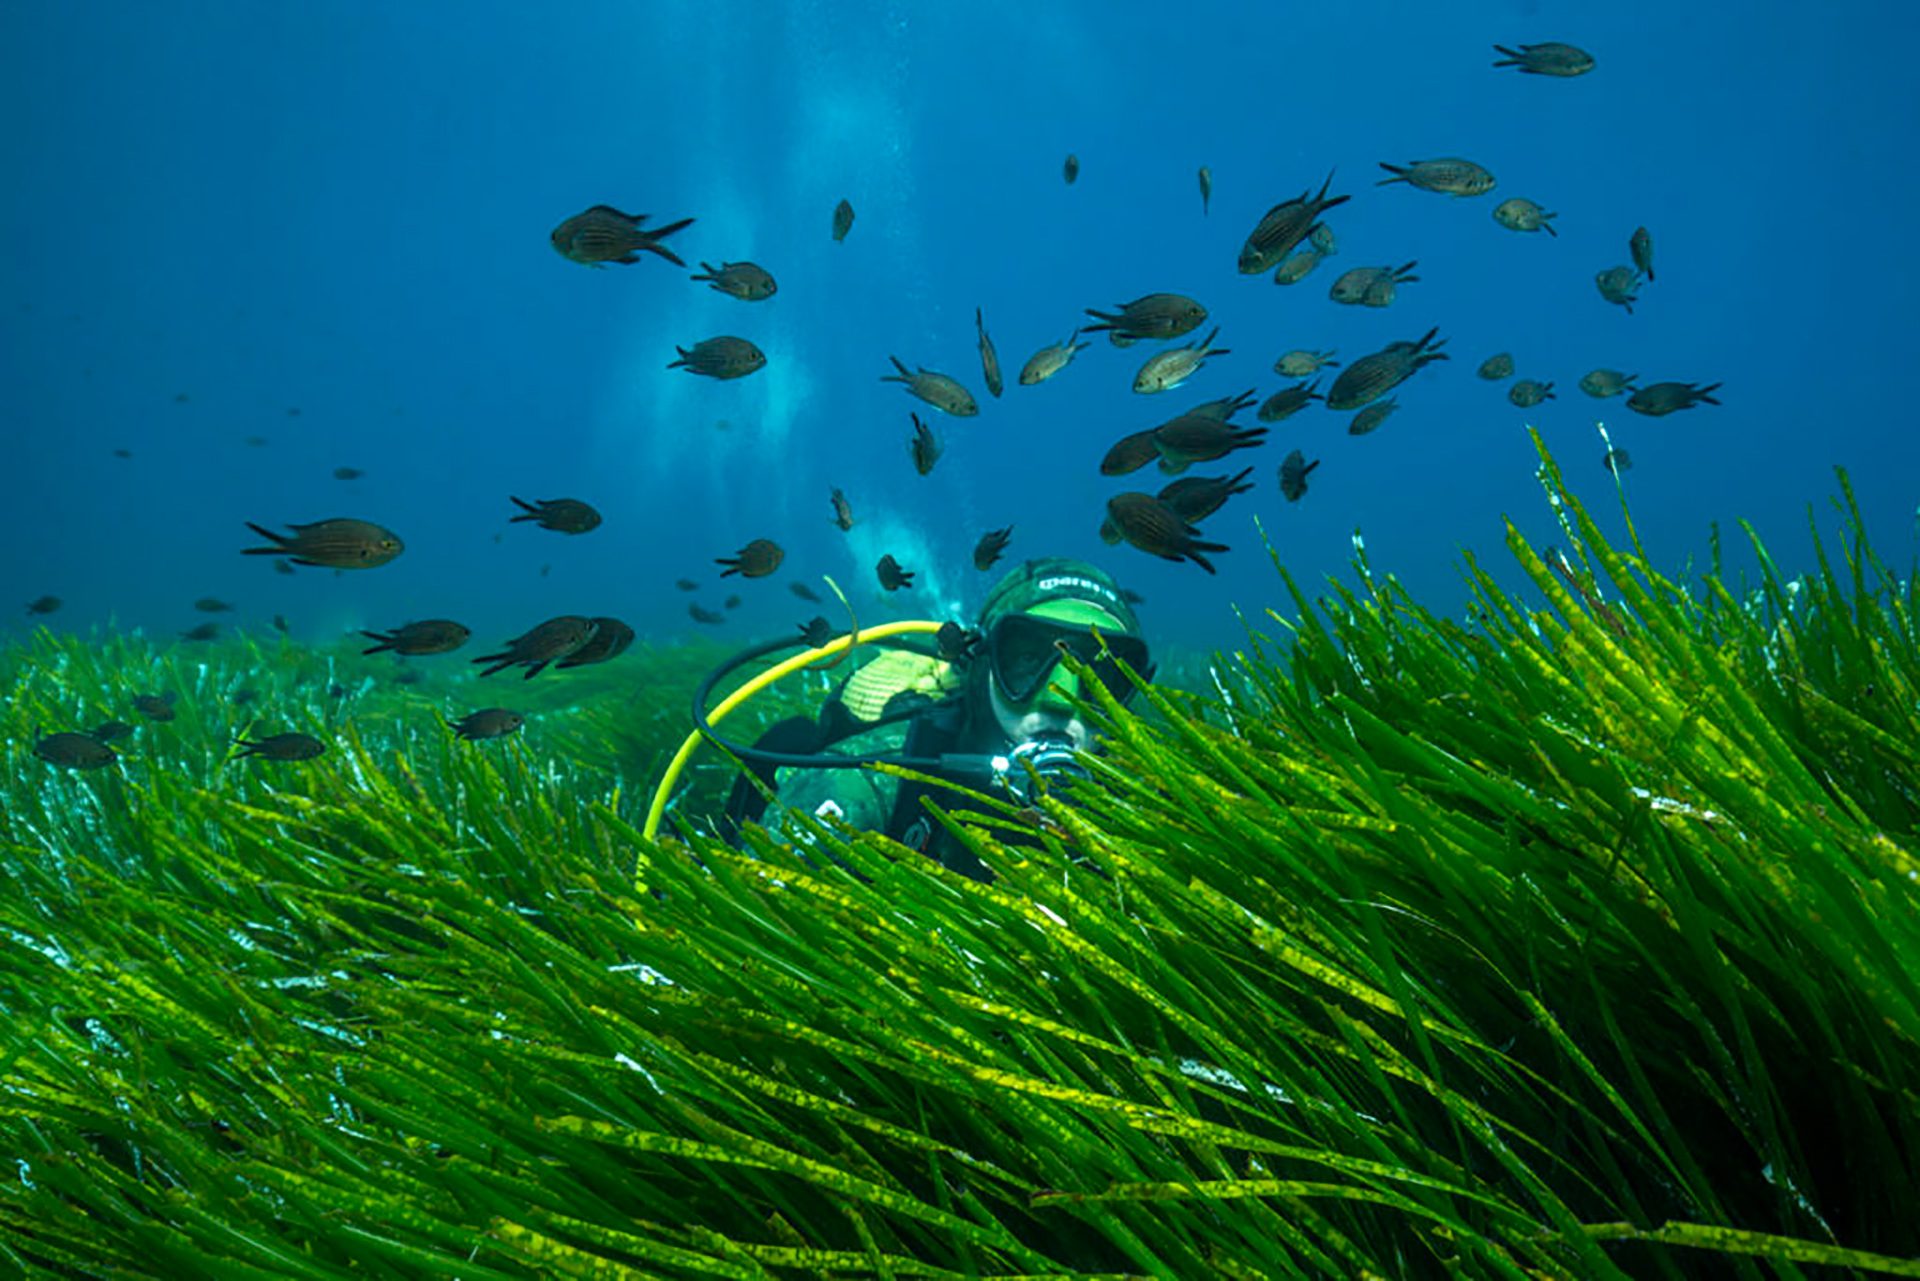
{"x": 339, "y": 543}
{"x": 756, "y": 560}
{"x": 1132, "y": 597}
{"x": 1494, "y": 368}
{"x": 924, "y": 448}
{"x": 555, "y": 639}
{"x": 1300, "y": 363}
{"x": 241, "y": 697}
{"x": 955, "y": 643}
{"x": 1206, "y": 190}
{"x": 1157, "y": 529}
{"x": 610, "y": 639}
{"x": 1293, "y": 475}
{"x": 283, "y": 567}
{"x": 1297, "y": 266}
{"x": 1529, "y": 392}
{"x": 804, "y": 592}
{"x": 817, "y": 631}
{"x": 74, "y": 751}
{"x": 1169, "y": 369}
{"x": 1048, "y": 361}
{"x": 181, "y": 397}
{"x": 1602, "y": 383}
{"x": 488, "y": 722}
{"x": 1618, "y": 285}
{"x": 1289, "y": 401}
{"x": 842, "y": 220}
{"x": 1224, "y": 408}
{"x": 603, "y": 234}
{"x": 892, "y": 577}
{"x": 254, "y": 442}
{"x": 1153, "y": 316}
{"x": 283, "y": 747}
{"x": 724, "y": 357}
{"x": 1283, "y": 227}
{"x": 211, "y": 605}
{"x": 1662, "y": 399}
{"x": 1374, "y": 375}
{"x": 1368, "y": 420}
{"x": 1371, "y": 286}
{"x": 701, "y": 615}
{"x": 280, "y": 623}
{"x": 347, "y": 473}
{"x": 1071, "y": 169}
{"x": 749, "y": 282}
{"x": 429, "y": 636}
{"x": 1448, "y": 175}
{"x": 204, "y": 632}
{"x": 989, "y": 358}
{"x": 337, "y": 690}
{"x": 731, "y": 602}
{"x": 1616, "y": 461}
{"x": 1520, "y": 214}
{"x": 1321, "y": 237}
{"x": 1130, "y": 453}
{"x": 686, "y": 584}
{"x": 1640, "y": 246}
{"x": 842, "y": 510}
{"x": 44, "y": 605}
{"x": 938, "y": 390}
{"x": 991, "y": 545}
{"x": 1549, "y": 59}
{"x": 109, "y": 731}
{"x": 123, "y": 453}
{"x": 546, "y": 569}
{"x": 1195, "y": 498}
{"x": 410, "y": 676}
{"x": 563, "y": 515}
{"x": 156, "y": 707}
{"x": 1191, "y": 439}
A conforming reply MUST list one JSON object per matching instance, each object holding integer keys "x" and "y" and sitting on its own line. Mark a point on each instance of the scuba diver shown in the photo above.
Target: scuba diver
{"x": 989, "y": 709}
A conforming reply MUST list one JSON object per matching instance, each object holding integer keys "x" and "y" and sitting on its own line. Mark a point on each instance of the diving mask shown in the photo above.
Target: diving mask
{"x": 1025, "y": 648}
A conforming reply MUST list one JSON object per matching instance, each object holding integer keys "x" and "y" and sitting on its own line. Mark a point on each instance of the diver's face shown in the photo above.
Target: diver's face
{"x": 1046, "y": 713}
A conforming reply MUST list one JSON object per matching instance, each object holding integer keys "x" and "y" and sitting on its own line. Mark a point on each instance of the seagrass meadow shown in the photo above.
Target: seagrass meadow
{"x": 1576, "y": 938}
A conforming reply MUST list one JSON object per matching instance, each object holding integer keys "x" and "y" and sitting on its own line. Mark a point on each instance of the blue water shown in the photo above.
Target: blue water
{"x": 343, "y": 209}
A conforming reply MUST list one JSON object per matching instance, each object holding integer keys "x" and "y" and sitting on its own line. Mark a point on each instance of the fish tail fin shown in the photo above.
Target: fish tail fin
{"x": 1508, "y": 58}
{"x": 901, "y": 377}
{"x": 706, "y": 272}
{"x": 1398, "y": 172}
{"x": 664, "y": 252}
{"x": 386, "y": 642}
{"x": 280, "y": 542}
{"x": 1706, "y": 393}
{"x": 684, "y": 358}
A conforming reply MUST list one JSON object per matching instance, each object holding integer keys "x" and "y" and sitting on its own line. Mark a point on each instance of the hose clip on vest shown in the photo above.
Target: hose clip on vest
{"x": 1037, "y": 766}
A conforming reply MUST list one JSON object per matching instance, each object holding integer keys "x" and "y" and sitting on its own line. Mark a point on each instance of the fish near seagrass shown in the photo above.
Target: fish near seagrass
{"x": 804, "y": 592}
{"x": 989, "y": 358}
{"x": 551, "y": 641}
{"x": 70, "y": 750}
{"x": 339, "y": 543}
{"x": 747, "y": 281}
{"x": 756, "y": 560}
{"x": 610, "y": 639}
{"x": 1283, "y": 227}
{"x": 724, "y": 357}
{"x": 603, "y": 234}
{"x": 701, "y": 614}
{"x": 1293, "y": 475}
{"x": 943, "y": 393}
{"x": 283, "y": 747}
{"x": 1152, "y": 316}
{"x": 1448, "y": 175}
{"x": 1155, "y": 528}
{"x": 1194, "y": 498}
{"x": 562, "y": 515}
{"x": 991, "y": 545}
{"x": 892, "y": 577}
{"x": 1602, "y": 383}
{"x": 488, "y": 722}
{"x": 1550, "y": 58}
{"x": 44, "y": 605}
{"x": 1169, "y": 369}
{"x": 429, "y": 636}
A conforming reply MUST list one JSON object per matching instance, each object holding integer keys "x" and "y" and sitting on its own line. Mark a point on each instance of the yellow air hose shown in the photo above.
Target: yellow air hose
{"x": 658, "y": 809}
